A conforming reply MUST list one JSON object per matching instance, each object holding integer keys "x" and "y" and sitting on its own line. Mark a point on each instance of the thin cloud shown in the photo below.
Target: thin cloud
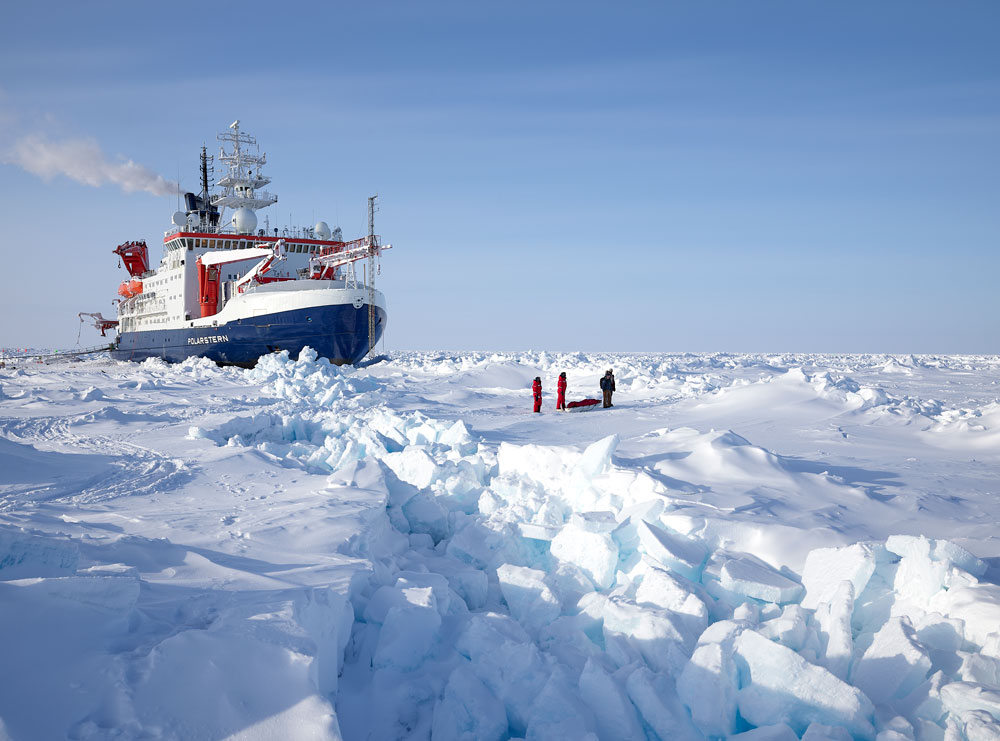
{"x": 84, "y": 161}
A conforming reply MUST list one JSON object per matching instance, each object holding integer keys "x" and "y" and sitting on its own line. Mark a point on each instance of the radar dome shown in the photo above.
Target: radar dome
{"x": 244, "y": 221}
{"x": 322, "y": 230}
{"x": 179, "y": 218}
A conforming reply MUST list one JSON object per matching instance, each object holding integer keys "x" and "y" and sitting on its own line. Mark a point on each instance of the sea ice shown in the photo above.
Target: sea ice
{"x": 820, "y": 732}
{"x": 24, "y": 555}
{"x": 506, "y": 661}
{"x": 614, "y": 713}
{"x": 662, "y": 589}
{"x": 980, "y": 726}
{"x": 753, "y": 579}
{"x": 790, "y": 629}
{"x": 778, "y": 732}
{"x": 410, "y": 631}
{"x": 673, "y": 551}
{"x": 468, "y": 711}
{"x": 656, "y": 634}
{"x": 894, "y": 664}
{"x": 938, "y": 550}
{"x": 528, "y": 596}
{"x": 596, "y": 554}
{"x": 414, "y": 466}
{"x": 709, "y": 682}
{"x": 836, "y": 635}
{"x": 655, "y": 697}
{"x": 826, "y": 568}
{"x": 977, "y": 605}
{"x": 597, "y": 457}
{"x": 779, "y": 686}
{"x": 474, "y": 544}
{"x": 980, "y": 669}
{"x": 558, "y": 712}
{"x": 960, "y": 697}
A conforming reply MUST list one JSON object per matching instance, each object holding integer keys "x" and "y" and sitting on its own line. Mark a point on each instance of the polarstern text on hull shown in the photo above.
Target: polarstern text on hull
{"x": 231, "y": 289}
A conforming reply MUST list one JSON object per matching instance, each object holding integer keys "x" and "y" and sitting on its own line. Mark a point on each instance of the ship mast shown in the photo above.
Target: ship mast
{"x": 372, "y": 244}
{"x": 244, "y": 176}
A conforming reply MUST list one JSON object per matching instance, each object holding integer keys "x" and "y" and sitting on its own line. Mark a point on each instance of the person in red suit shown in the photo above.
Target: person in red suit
{"x": 561, "y": 387}
{"x": 536, "y": 389}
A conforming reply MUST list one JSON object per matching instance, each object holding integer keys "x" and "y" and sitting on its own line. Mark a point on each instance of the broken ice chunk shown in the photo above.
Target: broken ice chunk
{"x": 779, "y": 686}
{"x": 474, "y": 544}
{"x": 448, "y": 602}
{"x": 535, "y": 531}
{"x": 595, "y": 522}
{"x": 658, "y": 635}
{"x": 897, "y": 728}
{"x": 656, "y": 700}
{"x": 960, "y": 697}
{"x": 558, "y": 714}
{"x": 836, "y": 636}
{"x": 789, "y": 629}
{"x": 24, "y": 555}
{"x": 457, "y": 436}
{"x": 615, "y": 714}
{"x": 506, "y": 661}
{"x": 664, "y": 590}
{"x": 825, "y": 568}
{"x": 709, "y": 681}
{"x": 938, "y": 550}
{"x": 414, "y": 466}
{"x": 938, "y": 632}
{"x": 754, "y": 579}
{"x": 894, "y": 664}
{"x": 596, "y": 554}
{"x": 468, "y": 710}
{"x": 981, "y": 726}
{"x": 672, "y": 550}
{"x": 979, "y": 606}
{"x": 945, "y": 550}
{"x": 527, "y": 595}
{"x": 779, "y": 732}
{"x": 425, "y": 515}
{"x": 597, "y": 457}
{"x": 984, "y": 670}
{"x": 409, "y": 632}
{"x": 820, "y": 732}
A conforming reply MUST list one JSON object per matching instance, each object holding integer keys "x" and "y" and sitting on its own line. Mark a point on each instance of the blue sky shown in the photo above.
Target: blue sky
{"x": 772, "y": 176}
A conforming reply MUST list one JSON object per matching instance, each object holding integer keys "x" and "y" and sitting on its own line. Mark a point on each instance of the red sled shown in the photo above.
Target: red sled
{"x": 582, "y": 406}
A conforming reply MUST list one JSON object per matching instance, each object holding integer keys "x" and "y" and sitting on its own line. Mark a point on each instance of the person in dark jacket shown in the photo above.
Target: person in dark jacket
{"x": 536, "y": 389}
{"x": 561, "y": 388}
{"x": 608, "y": 387}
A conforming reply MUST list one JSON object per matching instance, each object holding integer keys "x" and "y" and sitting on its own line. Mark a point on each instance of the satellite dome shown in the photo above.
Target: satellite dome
{"x": 322, "y": 230}
{"x": 244, "y": 221}
{"x": 179, "y": 218}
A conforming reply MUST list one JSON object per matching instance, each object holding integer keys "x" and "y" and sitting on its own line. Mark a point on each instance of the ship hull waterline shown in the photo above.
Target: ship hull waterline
{"x": 338, "y": 333}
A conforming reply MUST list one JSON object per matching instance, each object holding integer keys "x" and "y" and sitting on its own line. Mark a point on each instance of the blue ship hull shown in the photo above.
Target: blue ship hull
{"x": 339, "y": 333}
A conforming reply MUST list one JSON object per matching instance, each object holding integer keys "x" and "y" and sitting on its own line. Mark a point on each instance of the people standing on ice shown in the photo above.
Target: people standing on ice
{"x": 608, "y": 387}
{"x": 536, "y": 389}
{"x": 561, "y": 388}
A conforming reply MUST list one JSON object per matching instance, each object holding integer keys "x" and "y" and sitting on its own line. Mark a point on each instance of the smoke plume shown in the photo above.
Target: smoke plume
{"x": 83, "y": 160}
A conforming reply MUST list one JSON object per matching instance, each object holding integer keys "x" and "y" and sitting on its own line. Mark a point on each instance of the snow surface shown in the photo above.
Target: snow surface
{"x": 747, "y": 546}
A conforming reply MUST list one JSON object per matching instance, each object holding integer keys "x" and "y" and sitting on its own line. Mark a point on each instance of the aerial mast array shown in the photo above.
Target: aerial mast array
{"x": 372, "y": 244}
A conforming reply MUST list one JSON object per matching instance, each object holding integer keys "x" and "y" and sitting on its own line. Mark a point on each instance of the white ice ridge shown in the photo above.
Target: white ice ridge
{"x": 380, "y": 564}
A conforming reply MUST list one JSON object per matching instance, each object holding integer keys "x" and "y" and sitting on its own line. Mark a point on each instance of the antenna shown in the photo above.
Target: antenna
{"x": 372, "y": 244}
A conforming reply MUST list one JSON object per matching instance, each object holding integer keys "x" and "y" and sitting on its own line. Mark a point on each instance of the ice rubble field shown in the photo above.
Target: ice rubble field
{"x": 745, "y": 546}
